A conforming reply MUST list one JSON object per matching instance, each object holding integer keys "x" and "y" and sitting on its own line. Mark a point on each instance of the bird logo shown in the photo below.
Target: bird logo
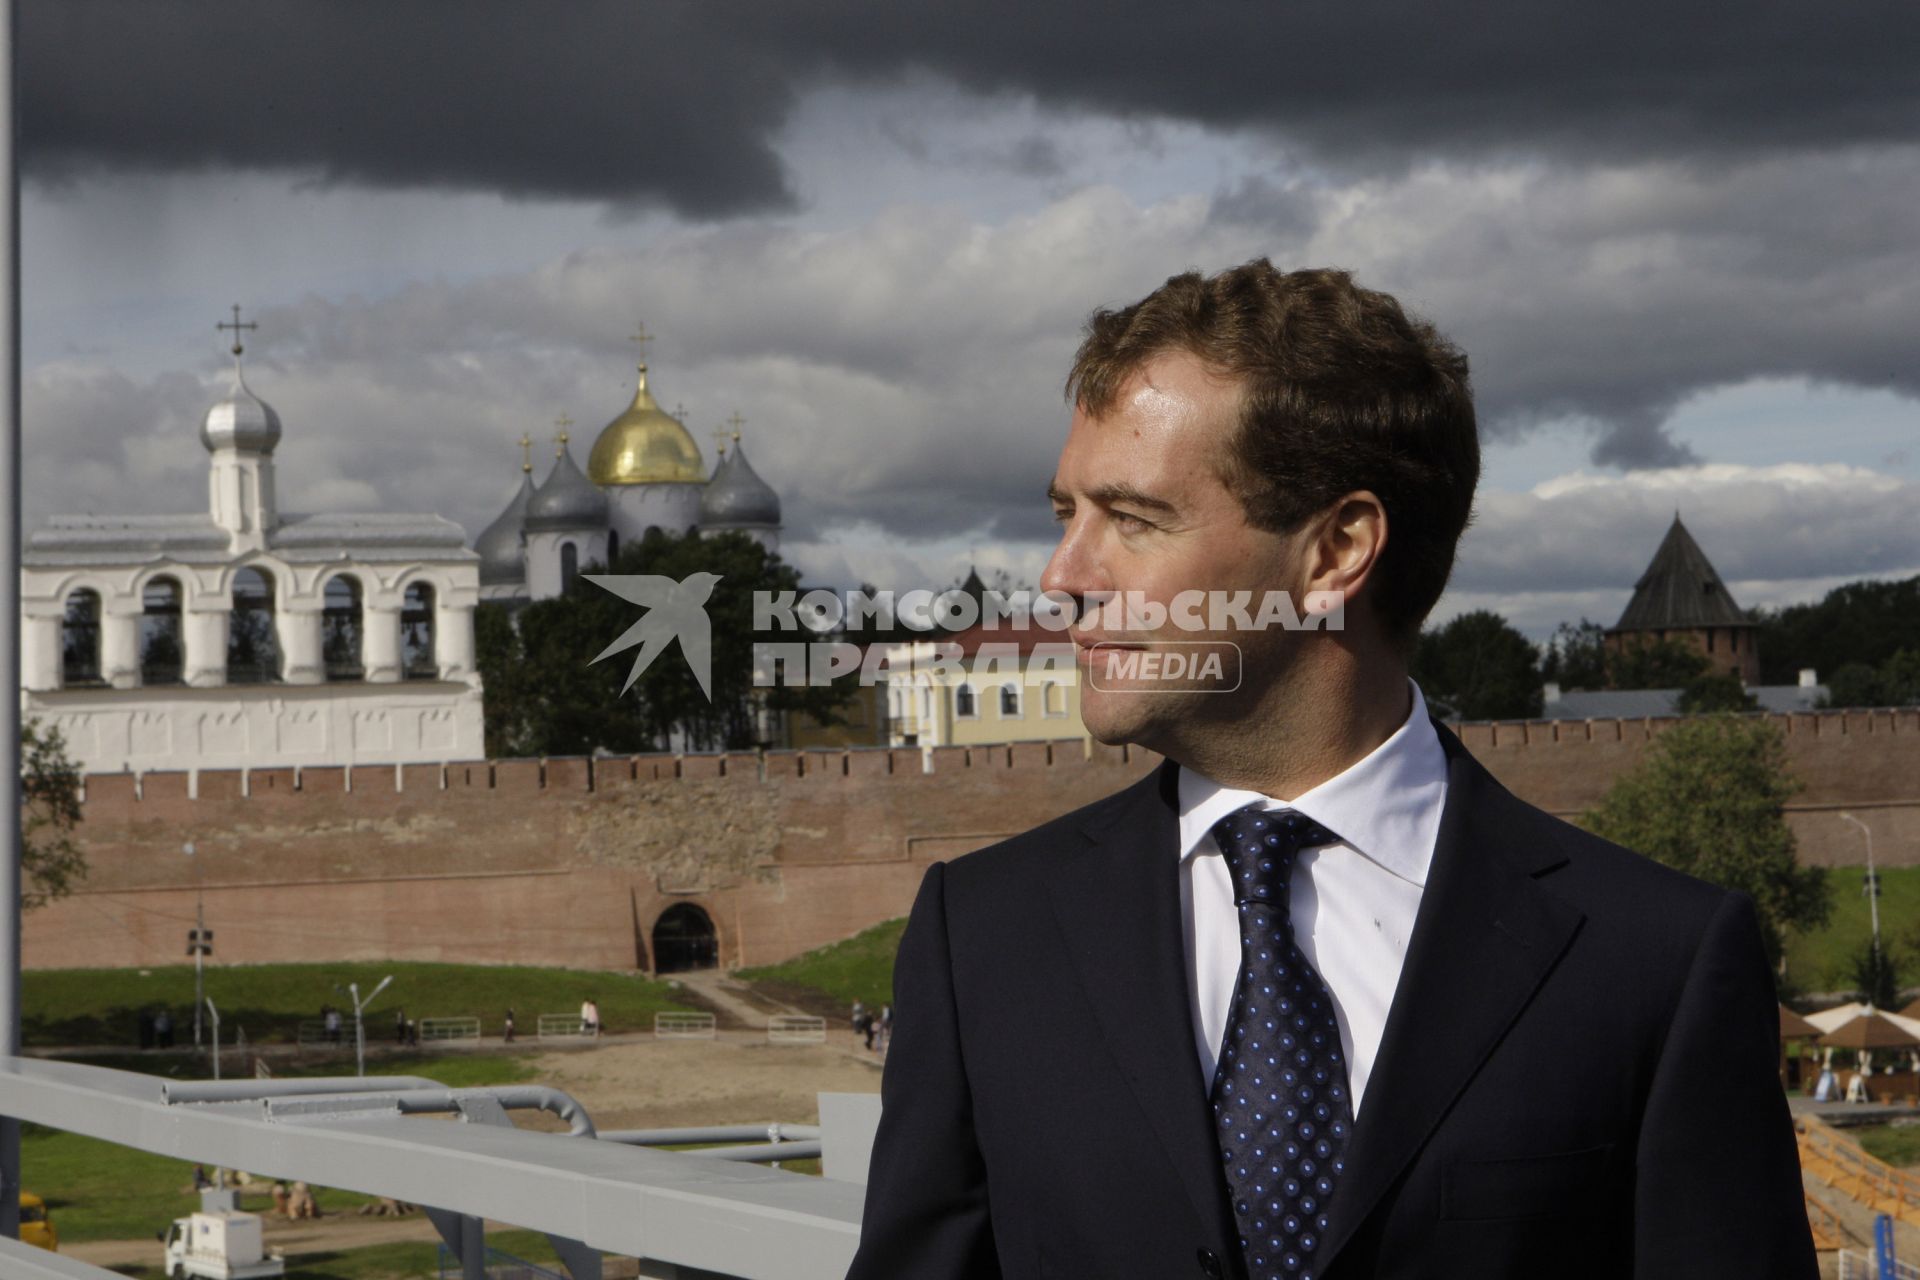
{"x": 675, "y": 610}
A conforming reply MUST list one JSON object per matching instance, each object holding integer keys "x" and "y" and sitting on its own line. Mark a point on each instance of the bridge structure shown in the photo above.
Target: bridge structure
{"x": 711, "y": 1216}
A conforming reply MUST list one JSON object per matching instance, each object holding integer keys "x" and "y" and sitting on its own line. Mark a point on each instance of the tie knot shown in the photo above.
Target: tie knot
{"x": 1260, "y": 846}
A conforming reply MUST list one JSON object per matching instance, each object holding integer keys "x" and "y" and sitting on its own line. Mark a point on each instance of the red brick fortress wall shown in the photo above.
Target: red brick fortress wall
{"x": 570, "y": 862}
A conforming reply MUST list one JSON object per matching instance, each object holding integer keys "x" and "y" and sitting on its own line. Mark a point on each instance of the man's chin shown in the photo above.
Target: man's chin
{"x": 1118, "y": 717}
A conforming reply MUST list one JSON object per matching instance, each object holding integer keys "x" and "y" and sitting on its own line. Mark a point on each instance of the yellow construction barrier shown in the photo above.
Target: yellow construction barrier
{"x": 1839, "y": 1162}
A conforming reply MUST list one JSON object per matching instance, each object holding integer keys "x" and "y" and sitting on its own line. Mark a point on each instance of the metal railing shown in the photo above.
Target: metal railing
{"x": 560, "y": 1025}
{"x": 722, "y": 1217}
{"x": 314, "y": 1031}
{"x": 448, "y": 1028}
{"x": 685, "y": 1026}
{"x": 1863, "y": 1266}
{"x": 796, "y": 1028}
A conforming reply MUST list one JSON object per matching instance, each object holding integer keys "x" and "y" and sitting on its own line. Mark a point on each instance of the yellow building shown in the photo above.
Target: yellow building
{"x": 983, "y": 686}
{"x": 863, "y": 724}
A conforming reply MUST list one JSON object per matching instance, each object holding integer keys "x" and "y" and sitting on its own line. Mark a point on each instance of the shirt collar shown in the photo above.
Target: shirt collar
{"x": 1385, "y": 806}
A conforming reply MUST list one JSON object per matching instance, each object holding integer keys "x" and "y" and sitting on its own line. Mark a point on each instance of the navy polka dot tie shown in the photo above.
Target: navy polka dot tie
{"x": 1280, "y": 1097}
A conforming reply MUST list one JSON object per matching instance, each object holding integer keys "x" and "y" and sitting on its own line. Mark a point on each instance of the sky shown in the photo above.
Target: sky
{"x": 1679, "y": 249}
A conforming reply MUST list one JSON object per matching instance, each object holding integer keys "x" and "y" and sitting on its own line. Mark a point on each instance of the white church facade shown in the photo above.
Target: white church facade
{"x": 248, "y": 636}
{"x": 644, "y": 472}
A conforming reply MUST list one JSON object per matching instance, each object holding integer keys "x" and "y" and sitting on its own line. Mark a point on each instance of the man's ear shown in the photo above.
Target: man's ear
{"x": 1344, "y": 547}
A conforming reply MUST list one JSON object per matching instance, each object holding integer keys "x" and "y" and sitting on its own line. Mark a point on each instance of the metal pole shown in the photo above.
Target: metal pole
{"x": 1873, "y": 881}
{"x": 9, "y": 613}
{"x": 359, "y": 1033}
{"x": 199, "y": 962}
{"x": 213, "y": 1017}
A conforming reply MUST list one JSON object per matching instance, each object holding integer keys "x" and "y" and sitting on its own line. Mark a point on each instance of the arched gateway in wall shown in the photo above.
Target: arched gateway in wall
{"x": 684, "y": 939}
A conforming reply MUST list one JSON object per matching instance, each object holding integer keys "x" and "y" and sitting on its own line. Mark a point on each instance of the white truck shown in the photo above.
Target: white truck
{"x": 219, "y": 1246}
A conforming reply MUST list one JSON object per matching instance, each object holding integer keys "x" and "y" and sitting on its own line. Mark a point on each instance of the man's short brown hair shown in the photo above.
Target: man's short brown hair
{"x": 1341, "y": 391}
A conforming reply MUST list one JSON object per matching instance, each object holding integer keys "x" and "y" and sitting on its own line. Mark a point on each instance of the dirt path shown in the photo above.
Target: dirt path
{"x": 736, "y": 1001}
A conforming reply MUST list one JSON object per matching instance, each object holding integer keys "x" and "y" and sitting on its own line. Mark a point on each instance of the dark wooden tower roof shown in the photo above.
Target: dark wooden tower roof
{"x": 1680, "y": 590}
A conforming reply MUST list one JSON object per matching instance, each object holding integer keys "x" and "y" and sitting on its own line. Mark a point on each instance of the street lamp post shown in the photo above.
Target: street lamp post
{"x": 213, "y": 1017}
{"x": 1873, "y": 880}
{"x": 359, "y": 1027}
{"x": 199, "y": 945}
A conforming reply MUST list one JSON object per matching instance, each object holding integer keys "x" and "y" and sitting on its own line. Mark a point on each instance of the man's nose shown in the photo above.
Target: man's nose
{"x": 1074, "y": 568}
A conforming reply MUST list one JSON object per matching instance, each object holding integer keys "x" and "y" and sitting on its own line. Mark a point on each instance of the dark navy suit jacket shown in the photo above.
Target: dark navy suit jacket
{"x": 1578, "y": 1076}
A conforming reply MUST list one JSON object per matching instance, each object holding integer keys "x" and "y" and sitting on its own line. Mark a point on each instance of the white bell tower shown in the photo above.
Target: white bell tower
{"x": 241, "y": 432}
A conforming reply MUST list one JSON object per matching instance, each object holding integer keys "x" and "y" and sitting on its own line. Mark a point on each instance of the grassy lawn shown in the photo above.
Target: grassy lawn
{"x": 98, "y": 1191}
{"x": 1818, "y": 961}
{"x": 829, "y": 980}
{"x": 1898, "y": 1145}
{"x": 102, "y": 1006}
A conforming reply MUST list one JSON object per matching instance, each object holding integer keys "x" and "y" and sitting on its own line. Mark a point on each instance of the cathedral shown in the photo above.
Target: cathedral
{"x": 644, "y": 472}
{"x": 244, "y": 636}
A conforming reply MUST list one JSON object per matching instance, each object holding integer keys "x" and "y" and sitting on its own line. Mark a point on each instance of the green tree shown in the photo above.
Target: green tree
{"x": 1866, "y": 622}
{"x": 1655, "y": 664}
{"x": 546, "y": 695}
{"x": 1900, "y": 678}
{"x": 1894, "y": 683}
{"x": 1576, "y": 657}
{"x": 1854, "y": 684}
{"x": 1722, "y": 691}
{"x": 1876, "y": 975}
{"x": 507, "y": 702}
{"x": 50, "y": 861}
{"x": 1708, "y": 799}
{"x": 1478, "y": 667}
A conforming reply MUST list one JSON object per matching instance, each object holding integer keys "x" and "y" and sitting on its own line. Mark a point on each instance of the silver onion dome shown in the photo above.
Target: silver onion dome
{"x": 737, "y": 496}
{"x": 503, "y": 557}
{"x": 241, "y": 421}
{"x": 566, "y": 499}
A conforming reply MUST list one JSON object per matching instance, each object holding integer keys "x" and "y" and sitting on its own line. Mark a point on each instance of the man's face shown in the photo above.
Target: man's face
{"x": 1143, "y": 507}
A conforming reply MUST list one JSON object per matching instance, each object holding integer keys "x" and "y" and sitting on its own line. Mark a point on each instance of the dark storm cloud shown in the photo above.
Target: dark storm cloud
{"x": 679, "y": 103}
{"x": 630, "y": 103}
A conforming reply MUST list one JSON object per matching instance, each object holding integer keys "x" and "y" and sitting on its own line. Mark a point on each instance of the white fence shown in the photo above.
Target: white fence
{"x": 684, "y": 1026}
{"x": 314, "y": 1031}
{"x": 796, "y": 1028}
{"x": 448, "y": 1028}
{"x": 560, "y": 1025}
{"x": 1862, "y": 1266}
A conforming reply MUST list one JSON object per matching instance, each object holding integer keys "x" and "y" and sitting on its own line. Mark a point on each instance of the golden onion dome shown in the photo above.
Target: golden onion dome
{"x": 645, "y": 445}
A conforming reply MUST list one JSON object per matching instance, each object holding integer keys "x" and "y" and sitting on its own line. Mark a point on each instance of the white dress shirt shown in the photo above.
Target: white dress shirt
{"x": 1353, "y": 903}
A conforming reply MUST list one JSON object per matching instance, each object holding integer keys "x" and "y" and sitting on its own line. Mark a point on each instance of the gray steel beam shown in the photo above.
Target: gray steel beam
{"x": 712, "y": 1216}
{"x": 10, "y": 837}
{"x": 24, "y": 1262}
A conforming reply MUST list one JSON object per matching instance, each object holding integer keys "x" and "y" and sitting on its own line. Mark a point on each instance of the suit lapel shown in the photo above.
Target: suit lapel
{"x": 1117, "y": 901}
{"x": 1485, "y": 936}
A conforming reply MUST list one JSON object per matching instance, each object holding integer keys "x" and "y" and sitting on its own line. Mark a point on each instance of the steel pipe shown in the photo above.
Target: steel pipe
{"x": 771, "y": 1132}
{"x": 759, "y": 1153}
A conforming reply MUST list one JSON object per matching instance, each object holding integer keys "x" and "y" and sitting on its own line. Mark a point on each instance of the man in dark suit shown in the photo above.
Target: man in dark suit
{"x": 1317, "y": 997}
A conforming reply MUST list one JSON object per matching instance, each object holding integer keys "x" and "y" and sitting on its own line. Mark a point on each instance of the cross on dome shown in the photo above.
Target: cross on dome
{"x": 720, "y": 440}
{"x": 736, "y": 422}
{"x": 221, "y": 326}
{"x": 526, "y": 452}
{"x": 641, "y": 337}
{"x": 560, "y": 436}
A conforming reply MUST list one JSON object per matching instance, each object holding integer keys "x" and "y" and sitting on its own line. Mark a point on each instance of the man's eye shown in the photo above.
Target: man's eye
{"x": 1128, "y": 520}
{"x": 1062, "y": 514}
